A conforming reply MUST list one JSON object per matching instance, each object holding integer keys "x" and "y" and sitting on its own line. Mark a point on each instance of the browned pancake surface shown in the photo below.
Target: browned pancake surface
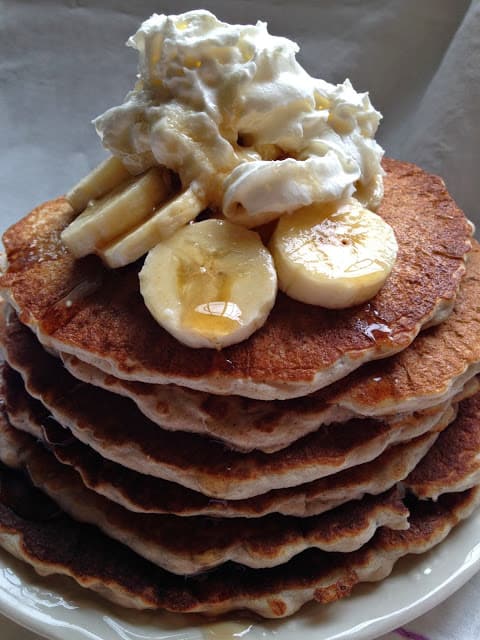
{"x": 147, "y": 494}
{"x": 429, "y": 371}
{"x": 189, "y": 545}
{"x": 118, "y": 431}
{"x": 107, "y": 321}
{"x": 141, "y": 493}
{"x": 454, "y": 460}
{"x": 53, "y": 543}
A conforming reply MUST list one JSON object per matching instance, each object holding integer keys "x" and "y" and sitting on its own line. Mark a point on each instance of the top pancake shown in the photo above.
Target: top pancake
{"x": 432, "y": 370}
{"x": 80, "y": 307}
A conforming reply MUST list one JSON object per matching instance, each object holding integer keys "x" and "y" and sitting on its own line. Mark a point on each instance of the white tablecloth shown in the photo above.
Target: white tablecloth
{"x": 62, "y": 62}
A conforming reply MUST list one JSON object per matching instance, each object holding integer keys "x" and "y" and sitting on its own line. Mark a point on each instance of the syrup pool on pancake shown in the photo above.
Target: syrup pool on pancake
{"x": 224, "y": 122}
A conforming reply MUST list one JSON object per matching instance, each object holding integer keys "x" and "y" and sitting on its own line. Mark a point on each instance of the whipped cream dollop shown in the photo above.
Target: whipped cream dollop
{"x": 229, "y": 108}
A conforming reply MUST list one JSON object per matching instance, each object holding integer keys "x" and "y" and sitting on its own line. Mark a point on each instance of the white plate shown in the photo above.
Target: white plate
{"x": 58, "y": 609}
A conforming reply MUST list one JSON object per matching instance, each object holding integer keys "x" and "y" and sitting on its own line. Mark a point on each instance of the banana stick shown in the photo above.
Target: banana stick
{"x": 176, "y": 213}
{"x": 117, "y": 212}
{"x": 108, "y": 175}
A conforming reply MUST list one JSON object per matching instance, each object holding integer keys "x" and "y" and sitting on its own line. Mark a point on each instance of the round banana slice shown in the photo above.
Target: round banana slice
{"x": 334, "y": 258}
{"x": 211, "y": 284}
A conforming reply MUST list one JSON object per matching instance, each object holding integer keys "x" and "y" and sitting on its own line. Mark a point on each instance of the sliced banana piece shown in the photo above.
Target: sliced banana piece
{"x": 333, "y": 258}
{"x": 211, "y": 284}
{"x": 108, "y": 175}
{"x": 117, "y": 212}
{"x": 176, "y": 213}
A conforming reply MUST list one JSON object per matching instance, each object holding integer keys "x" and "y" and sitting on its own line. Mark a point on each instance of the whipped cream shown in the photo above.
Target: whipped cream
{"x": 229, "y": 108}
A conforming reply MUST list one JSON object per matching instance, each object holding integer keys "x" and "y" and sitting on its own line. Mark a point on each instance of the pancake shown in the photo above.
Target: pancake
{"x": 432, "y": 370}
{"x": 81, "y": 308}
{"x": 42, "y": 371}
{"x": 454, "y": 461}
{"x": 24, "y": 352}
{"x": 167, "y": 540}
{"x": 113, "y": 428}
{"x": 146, "y": 494}
{"x": 52, "y": 543}
{"x": 264, "y": 542}
{"x": 242, "y": 423}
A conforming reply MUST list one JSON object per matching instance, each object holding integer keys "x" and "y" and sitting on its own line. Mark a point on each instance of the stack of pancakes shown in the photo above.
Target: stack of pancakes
{"x": 283, "y": 469}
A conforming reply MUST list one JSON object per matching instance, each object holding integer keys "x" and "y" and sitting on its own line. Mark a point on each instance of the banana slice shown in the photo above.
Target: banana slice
{"x": 333, "y": 258}
{"x": 108, "y": 175}
{"x": 211, "y": 284}
{"x": 165, "y": 221}
{"x": 116, "y": 213}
